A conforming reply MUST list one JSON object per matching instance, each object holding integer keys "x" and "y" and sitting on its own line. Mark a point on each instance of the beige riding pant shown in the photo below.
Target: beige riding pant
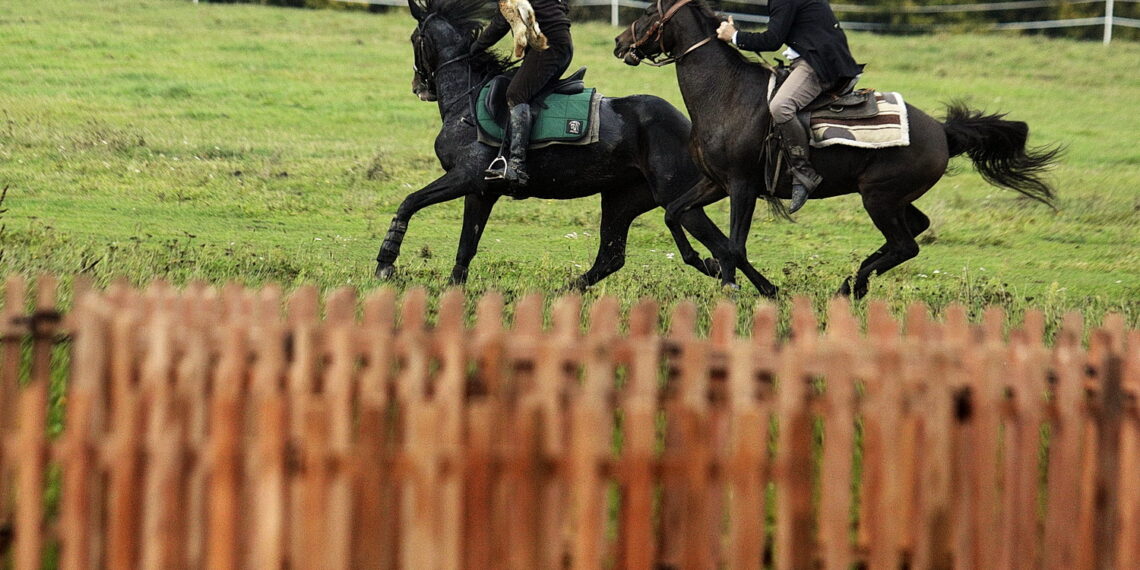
{"x": 799, "y": 89}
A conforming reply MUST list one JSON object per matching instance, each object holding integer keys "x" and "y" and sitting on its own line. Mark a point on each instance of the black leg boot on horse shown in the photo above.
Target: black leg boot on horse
{"x": 805, "y": 179}
{"x": 512, "y": 166}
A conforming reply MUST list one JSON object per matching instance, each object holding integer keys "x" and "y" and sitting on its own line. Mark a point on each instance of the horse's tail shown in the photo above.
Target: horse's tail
{"x": 998, "y": 149}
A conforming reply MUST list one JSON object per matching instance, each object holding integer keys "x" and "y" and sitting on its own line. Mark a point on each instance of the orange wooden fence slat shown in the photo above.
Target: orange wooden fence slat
{"x": 880, "y": 521}
{"x": 267, "y": 480}
{"x": 794, "y": 539}
{"x": 747, "y": 460}
{"x": 223, "y": 454}
{"x": 448, "y": 397}
{"x": 15, "y": 289}
{"x": 1067, "y": 429}
{"x": 637, "y": 536}
{"x": 1109, "y": 420}
{"x": 1129, "y": 547}
{"x": 839, "y": 353}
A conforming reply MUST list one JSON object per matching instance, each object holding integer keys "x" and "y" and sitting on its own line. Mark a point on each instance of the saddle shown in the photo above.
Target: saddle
{"x": 496, "y": 100}
{"x": 565, "y": 112}
{"x": 861, "y": 118}
{"x": 841, "y": 101}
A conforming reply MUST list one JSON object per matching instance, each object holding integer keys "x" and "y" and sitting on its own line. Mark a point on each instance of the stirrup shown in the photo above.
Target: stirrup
{"x": 497, "y": 170}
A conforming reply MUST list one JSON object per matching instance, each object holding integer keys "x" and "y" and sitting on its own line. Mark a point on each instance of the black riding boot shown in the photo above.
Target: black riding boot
{"x": 516, "y": 138}
{"x": 519, "y": 138}
{"x": 804, "y": 178}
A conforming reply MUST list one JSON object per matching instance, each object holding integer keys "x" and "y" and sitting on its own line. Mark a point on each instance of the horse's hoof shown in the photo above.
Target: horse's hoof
{"x": 771, "y": 292}
{"x": 385, "y": 271}
{"x": 578, "y": 285}
{"x": 844, "y": 289}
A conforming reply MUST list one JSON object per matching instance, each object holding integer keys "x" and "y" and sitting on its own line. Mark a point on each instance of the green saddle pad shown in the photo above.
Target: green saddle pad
{"x": 559, "y": 119}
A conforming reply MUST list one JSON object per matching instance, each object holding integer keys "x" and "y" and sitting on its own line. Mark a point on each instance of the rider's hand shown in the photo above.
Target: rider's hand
{"x": 726, "y": 30}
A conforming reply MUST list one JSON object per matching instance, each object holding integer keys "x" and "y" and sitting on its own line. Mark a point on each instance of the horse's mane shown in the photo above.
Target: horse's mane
{"x": 709, "y": 9}
{"x": 463, "y": 14}
{"x": 467, "y": 16}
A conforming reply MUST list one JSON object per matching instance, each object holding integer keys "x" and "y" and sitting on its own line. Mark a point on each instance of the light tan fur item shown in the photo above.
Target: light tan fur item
{"x": 520, "y": 15}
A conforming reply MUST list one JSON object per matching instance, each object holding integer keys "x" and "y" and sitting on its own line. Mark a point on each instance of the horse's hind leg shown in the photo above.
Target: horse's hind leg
{"x": 900, "y": 229}
{"x": 619, "y": 209}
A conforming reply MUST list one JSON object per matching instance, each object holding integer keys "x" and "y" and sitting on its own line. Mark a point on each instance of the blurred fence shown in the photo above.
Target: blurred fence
{"x": 900, "y": 16}
{"x": 231, "y": 428}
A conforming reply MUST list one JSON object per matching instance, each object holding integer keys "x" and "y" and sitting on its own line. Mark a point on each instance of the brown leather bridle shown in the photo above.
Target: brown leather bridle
{"x": 655, "y": 33}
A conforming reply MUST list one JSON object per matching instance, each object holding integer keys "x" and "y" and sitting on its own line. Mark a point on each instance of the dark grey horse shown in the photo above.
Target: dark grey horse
{"x": 724, "y": 93}
{"x": 640, "y": 162}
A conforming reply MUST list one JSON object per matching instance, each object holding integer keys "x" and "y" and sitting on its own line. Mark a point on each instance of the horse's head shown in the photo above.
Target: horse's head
{"x": 647, "y": 38}
{"x": 650, "y": 37}
{"x": 443, "y": 35}
{"x": 642, "y": 39}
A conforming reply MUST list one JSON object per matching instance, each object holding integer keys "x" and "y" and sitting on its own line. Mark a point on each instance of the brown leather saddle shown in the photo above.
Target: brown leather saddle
{"x": 843, "y": 101}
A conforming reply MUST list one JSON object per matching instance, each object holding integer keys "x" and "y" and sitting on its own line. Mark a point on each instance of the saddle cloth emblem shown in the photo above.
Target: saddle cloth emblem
{"x": 574, "y": 127}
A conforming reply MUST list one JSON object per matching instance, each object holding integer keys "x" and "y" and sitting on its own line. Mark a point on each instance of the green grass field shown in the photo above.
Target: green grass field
{"x": 162, "y": 139}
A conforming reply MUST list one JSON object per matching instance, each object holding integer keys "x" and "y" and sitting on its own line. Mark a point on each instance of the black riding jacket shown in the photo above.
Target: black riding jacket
{"x": 553, "y": 17}
{"x": 810, "y": 28}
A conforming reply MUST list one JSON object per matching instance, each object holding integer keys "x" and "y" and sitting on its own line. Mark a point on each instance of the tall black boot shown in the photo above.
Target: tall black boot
{"x": 519, "y": 137}
{"x": 804, "y": 178}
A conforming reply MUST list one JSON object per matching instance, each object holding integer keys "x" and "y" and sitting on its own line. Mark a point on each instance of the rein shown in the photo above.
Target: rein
{"x": 656, "y": 30}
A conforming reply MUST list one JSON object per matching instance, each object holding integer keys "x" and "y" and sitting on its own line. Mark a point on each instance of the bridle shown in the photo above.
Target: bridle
{"x": 655, "y": 33}
{"x": 419, "y": 49}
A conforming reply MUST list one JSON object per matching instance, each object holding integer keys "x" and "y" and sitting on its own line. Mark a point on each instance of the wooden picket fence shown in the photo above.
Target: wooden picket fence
{"x": 229, "y": 428}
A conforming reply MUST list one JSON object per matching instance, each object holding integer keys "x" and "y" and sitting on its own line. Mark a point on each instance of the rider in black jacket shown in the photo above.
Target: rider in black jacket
{"x": 821, "y": 61}
{"x": 538, "y": 68}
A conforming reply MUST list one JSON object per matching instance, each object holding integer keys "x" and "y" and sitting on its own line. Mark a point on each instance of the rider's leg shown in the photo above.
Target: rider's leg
{"x": 800, "y": 88}
{"x": 538, "y": 68}
{"x": 519, "y": 139}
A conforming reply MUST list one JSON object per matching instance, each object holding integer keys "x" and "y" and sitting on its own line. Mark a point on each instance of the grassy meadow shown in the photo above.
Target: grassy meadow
{"x": 163, "y": 139}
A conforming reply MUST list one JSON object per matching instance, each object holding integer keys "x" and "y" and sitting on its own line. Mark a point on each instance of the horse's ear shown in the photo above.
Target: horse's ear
{"x": 417, "y": 10}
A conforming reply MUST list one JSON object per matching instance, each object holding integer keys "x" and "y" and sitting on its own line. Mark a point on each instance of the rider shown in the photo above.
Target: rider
{"x": 538, "y": 68}
{"x": 821, "y": 61}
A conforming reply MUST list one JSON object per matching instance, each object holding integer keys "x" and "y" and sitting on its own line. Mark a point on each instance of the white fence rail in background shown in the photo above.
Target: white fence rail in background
{"x": 1108, "y": 21}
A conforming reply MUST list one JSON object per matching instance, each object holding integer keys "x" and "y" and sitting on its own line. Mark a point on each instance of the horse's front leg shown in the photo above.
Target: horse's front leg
{"x": 476, "y": 210}
{"x": 447, "y": 187}
{"x": 741, "y": 207}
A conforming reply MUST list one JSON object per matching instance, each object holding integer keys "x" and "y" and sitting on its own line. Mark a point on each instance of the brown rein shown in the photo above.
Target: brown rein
{"x": 656, "y": 30}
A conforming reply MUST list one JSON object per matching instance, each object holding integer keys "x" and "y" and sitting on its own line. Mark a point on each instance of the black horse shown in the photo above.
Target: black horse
{"x": 640, "y": 162}
{"x": 724, "y": 93}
